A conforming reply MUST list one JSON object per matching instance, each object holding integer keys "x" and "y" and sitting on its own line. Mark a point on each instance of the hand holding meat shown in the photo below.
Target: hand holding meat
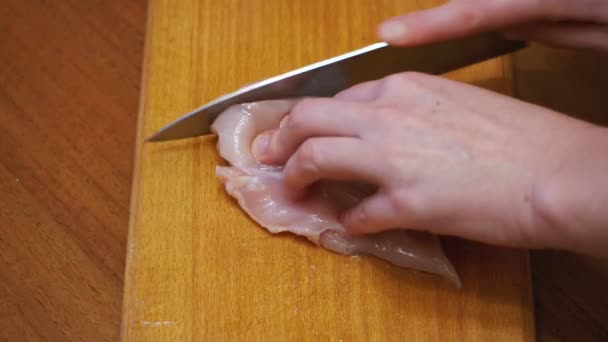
{"x": 452, "y": 159}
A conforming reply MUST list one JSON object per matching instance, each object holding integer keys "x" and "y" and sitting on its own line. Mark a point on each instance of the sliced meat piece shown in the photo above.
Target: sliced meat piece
{"x": 260, "y": 193}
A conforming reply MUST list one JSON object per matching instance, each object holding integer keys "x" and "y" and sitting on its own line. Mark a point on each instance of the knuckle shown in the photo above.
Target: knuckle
{"x": 296, "y": 123}
{"x": 396, "y": 81}
{"x": 300, "y": 115}
{"x": 309, "y": 157}
{"x": 405, "y": 87}
{"x": 402, "y": 79}
{"x": 470, "y": 16}
{"x": 402, "y": 201}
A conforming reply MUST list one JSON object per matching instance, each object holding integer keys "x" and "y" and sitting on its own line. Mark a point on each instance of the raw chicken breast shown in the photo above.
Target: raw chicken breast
{"x": 259, "y": 191}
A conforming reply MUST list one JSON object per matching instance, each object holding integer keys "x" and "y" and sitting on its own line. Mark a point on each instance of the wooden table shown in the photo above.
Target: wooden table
{"x": 198, "y": 268}
{"x": 69, "y": 83}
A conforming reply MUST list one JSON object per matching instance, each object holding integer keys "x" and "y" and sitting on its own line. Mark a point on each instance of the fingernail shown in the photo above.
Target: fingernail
{"x": 393, "y": 30}
{"x": 260, "y": 145}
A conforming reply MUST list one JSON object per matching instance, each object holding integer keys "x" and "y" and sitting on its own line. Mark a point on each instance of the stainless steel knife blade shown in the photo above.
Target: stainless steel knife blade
{"x": 330, "y": 76}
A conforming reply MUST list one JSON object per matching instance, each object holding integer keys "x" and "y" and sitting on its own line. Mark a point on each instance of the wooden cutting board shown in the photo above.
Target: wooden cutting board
{"x": 199, "y": 269}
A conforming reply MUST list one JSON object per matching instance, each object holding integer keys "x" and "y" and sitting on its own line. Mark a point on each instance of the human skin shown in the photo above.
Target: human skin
{"x": 453, "y": 158}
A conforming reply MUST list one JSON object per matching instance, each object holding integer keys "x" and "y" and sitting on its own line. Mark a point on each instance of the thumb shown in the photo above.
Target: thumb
{"x": 458, "y": 18}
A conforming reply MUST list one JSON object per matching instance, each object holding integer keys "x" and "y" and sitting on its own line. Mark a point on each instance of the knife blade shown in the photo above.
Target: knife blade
{"x": 330, "y": 76}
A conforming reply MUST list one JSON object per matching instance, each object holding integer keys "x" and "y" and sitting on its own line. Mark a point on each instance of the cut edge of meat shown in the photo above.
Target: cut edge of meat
{"x": 234, "y": 178}
{"x": 337, "y": 242}
{"x": 426, "y": 256}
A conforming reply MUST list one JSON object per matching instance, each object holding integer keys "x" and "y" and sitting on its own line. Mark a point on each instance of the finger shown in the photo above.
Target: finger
{"x": 335, "y": 158}
{"x": 363, "y": 92}
{"x": 283, "y": 120}
{"x": 260, "y": 143}
{"x": 314, "y": 118}
{"x": 562, "y": 35}
{"x": 374, "y": 214}
{"x": 461, "y": 18}
{"x": 451, "y": 20}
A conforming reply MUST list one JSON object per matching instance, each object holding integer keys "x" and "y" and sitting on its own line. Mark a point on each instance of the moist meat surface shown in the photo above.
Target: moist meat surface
{"x": 260, "y": 193}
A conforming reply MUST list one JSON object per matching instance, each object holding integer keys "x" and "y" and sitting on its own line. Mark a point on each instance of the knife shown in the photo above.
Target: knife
{"x": 330, "y": 76}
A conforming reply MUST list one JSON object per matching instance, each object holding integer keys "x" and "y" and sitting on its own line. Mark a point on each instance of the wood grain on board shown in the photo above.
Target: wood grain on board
{"x": 199, "y": 268}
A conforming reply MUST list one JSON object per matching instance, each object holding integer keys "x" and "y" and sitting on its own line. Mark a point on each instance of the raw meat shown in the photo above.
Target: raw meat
{"x": 259, "y": 191}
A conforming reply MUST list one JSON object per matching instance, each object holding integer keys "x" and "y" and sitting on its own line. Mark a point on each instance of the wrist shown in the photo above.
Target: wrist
{"x": 571, "y": 199}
